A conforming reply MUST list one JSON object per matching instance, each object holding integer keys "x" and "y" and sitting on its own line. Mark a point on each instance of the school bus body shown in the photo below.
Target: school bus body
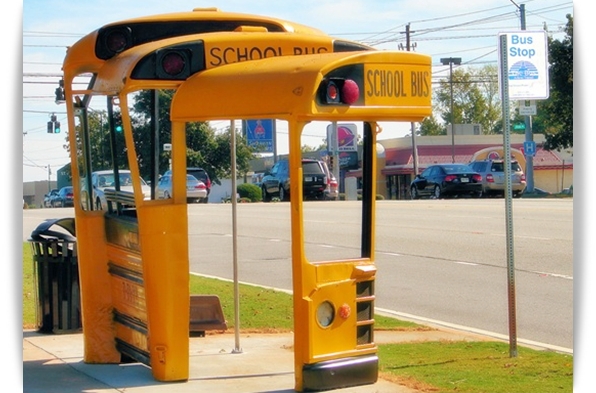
{"x": 134, "y": 267}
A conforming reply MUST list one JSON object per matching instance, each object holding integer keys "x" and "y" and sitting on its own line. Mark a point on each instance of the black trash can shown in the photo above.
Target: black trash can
{"x": 56, "y": 276}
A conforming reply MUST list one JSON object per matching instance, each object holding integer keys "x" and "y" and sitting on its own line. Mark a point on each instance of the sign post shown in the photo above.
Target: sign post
{"x": 505, "y": 94}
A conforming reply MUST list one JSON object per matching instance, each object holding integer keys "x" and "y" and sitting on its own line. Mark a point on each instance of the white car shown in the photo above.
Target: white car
{"x": 104, "y": 180}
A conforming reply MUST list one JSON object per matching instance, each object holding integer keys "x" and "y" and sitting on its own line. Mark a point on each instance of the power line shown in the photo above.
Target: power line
{"x": 508, "y": 16}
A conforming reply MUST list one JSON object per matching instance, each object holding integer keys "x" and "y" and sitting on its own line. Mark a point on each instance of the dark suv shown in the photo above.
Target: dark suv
{"x": 493, "y": 177}
{"x": 201, "y": 175}
{"x": 277, "y": 181}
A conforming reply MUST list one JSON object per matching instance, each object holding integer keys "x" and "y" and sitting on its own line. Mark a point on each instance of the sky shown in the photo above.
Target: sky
{"x": 38, "y": 31}
{"x": 463, "y": 28}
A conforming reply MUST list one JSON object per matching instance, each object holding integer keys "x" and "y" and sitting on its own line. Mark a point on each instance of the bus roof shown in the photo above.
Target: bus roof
{"x": 393, "y": 86}
{"x": 135, "y": 68}
{"x": 215, "y": 14}
{"x": 87, "y": 54}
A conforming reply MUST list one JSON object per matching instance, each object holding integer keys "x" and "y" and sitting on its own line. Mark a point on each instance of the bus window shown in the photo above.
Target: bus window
{"x": 319, "y": 225}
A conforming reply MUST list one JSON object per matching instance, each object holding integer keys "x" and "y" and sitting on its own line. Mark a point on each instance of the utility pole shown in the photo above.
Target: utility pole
{"x": 49, "y": 182}
{"x": 528, "y": 118}
{"x": 412, "y": 127}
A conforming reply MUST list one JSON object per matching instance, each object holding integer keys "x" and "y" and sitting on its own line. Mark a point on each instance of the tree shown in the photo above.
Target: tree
{"x": 555, "y": 115}
{"x": 488, "y": 84}
{"x": 99, "y": 144}
{"x": 430, "y": 126}
{"x": 205, "y": 148}
{"x": 475, "y": 99}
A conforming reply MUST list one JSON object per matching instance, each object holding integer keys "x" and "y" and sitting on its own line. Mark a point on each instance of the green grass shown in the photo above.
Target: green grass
{"x": 260, "y": 308}
{"x": 437, "y": 367}
{"x": 28, "y": 288}
{"x": 266, "y": 309}
{"x": 476, "y": 367}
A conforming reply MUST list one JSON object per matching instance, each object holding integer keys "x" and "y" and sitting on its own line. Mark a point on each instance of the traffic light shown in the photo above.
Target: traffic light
{"x": 60, "y": 92}
{"x": 331, "y": 162}
{"x": 53, "y": 125}
{"x": 59, "y": 95}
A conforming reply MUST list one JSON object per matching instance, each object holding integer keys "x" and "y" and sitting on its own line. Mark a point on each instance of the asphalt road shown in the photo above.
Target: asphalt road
{"x": 444, "y": 261}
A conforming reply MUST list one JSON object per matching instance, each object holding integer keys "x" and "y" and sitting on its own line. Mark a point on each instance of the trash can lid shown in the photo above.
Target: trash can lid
{"x": 43, "y": 229}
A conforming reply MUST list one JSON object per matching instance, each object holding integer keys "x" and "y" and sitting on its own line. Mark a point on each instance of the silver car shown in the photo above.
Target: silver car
{"x": 104, "y": 180}
{"x": 196, "y": 190}
{"x": 493, "y": 177}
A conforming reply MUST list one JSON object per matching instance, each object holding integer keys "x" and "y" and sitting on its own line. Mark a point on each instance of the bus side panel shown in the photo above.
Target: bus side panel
{"x": 96, "y": 302}
{"x": 128, "y": 291}
{"x": 163, "y": 237}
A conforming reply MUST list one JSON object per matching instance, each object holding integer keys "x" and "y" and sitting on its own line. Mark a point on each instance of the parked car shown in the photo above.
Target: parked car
{"x": 47, "y": 198}
{"x": 201, "y": 175}
{"x": 103, "y": 180}
{"x": 441, "y": 180}
{"x": 332, "y": 190}
{"x": 277, "y": 181}
{"x": 64, "y": 198}
{"x": 493, "y": 177}
{"x": 196, "y": 190}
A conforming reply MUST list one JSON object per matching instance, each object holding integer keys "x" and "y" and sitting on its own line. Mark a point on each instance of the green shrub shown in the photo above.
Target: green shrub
{"x": 249, "y": 191}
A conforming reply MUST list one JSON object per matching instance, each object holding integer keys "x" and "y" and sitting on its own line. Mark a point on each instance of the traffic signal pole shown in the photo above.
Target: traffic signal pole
{"x": 528, "y": 121}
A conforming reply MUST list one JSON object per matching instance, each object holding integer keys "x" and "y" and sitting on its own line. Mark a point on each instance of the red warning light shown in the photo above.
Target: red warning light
{"x": 173, "y": 63}
{"x": 350, "y": 92}
{"x": 339, "y": 91}
{"x": 117, "y": 41}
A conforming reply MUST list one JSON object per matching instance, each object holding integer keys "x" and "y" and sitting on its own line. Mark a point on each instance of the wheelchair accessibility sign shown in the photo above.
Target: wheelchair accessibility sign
{"x": 527, "y": 65}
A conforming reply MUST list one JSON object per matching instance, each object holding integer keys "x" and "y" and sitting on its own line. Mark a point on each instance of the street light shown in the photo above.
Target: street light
{"x": 451, "y": 61}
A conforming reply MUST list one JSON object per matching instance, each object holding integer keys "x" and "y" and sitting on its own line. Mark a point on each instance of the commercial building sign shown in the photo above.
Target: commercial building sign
{"x": 342, "y": 137}
{"x": 259, "y": 134}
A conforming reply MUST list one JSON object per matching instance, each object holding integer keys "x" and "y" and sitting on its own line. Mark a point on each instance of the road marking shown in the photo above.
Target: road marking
{"x": 555, "y": 275}
{"x": 414, "y": 318}
{"x": 462, "y": 328}
{"x": 467, "y": 263}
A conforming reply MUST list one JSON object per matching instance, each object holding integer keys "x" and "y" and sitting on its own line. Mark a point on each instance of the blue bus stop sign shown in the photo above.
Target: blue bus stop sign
{"x": 529, "y": 148}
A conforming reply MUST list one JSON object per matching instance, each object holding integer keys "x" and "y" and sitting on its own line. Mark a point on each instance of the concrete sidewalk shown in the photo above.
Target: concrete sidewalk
{"x": 53, "y": 363}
